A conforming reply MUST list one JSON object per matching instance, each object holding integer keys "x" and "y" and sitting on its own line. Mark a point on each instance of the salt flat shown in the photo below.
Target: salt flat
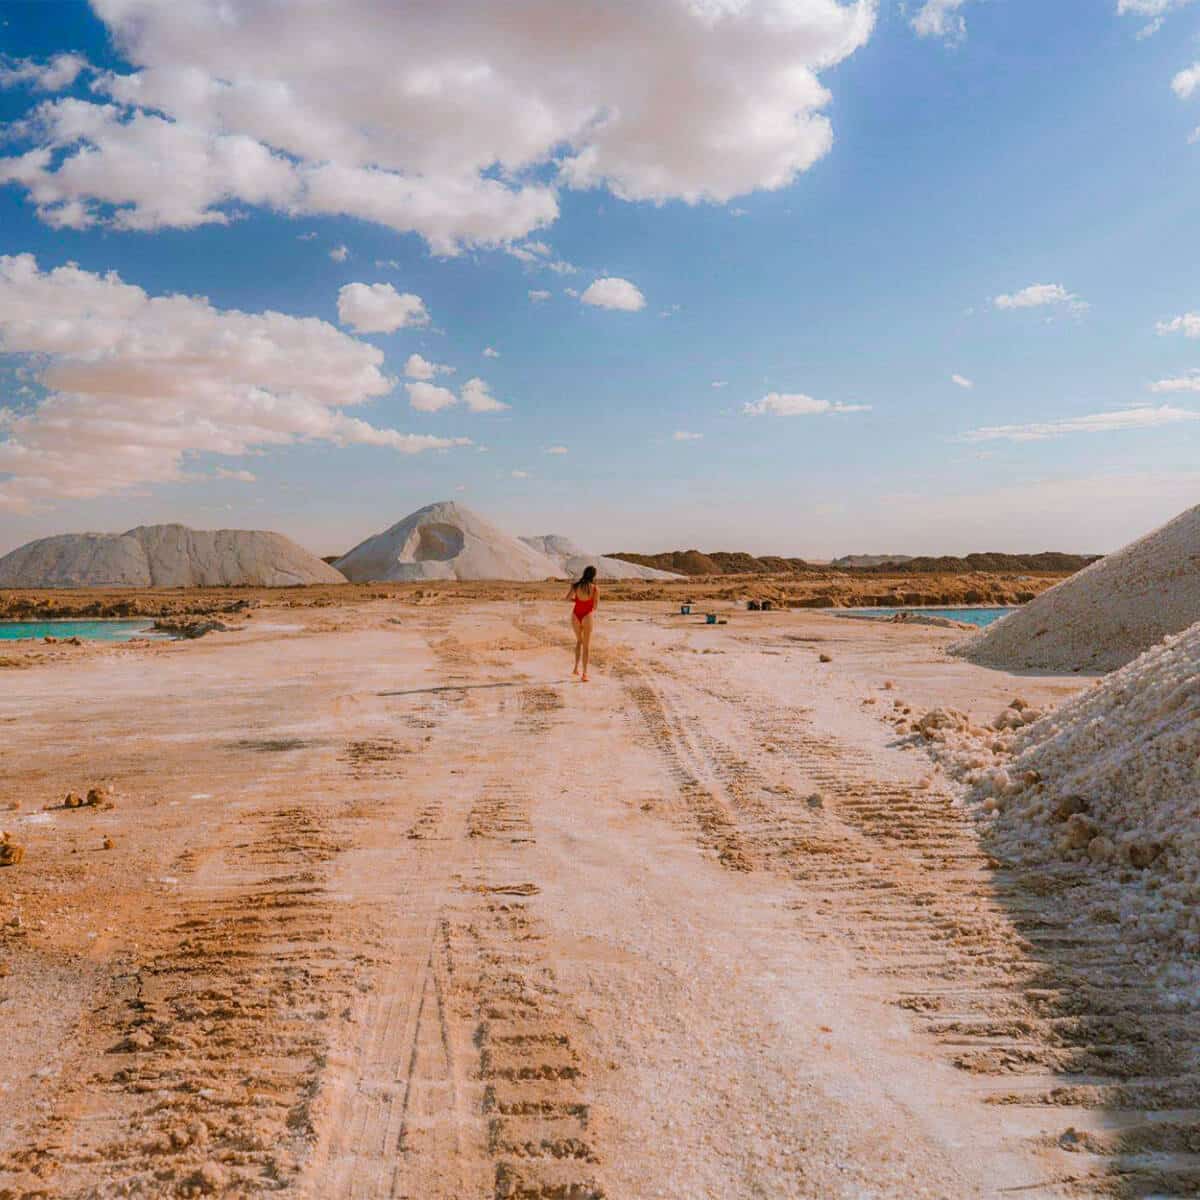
{"x": 395, "y": 908}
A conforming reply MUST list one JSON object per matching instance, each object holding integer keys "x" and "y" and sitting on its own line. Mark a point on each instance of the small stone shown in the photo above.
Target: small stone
{"x": 825, "y": 658}
{"x": 1068, "y": 806}
{"x": 108, "y": 843}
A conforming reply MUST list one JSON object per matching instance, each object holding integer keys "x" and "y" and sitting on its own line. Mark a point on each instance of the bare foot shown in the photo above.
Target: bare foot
{"x": 583, "y": 679}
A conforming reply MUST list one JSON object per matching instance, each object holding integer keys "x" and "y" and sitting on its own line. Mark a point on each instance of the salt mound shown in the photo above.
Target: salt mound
{"x": 445, "y": 541}
{"x": 164, "y": 556}
{"x": 1110, "y": 779}
{"x": 1108, "y": 613}
{"x": 572, "y": 559}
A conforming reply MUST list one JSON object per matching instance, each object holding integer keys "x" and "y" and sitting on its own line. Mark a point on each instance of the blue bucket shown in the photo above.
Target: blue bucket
{"x": 710, "y": 618}
{"x": 685, "y": 610}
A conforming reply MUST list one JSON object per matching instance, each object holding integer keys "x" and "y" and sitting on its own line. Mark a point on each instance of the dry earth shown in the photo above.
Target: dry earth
{"x": 386, "y": 905}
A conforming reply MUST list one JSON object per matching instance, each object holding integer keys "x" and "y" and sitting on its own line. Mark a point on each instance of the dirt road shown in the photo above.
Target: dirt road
{"x": 392, "y": 907}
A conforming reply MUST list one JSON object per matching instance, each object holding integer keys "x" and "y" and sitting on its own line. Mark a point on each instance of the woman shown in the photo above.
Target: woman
{"x": 585, "y": 594}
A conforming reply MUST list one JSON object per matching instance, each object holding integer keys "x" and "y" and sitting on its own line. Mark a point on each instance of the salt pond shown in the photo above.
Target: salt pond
{"x": 91, "y": 631}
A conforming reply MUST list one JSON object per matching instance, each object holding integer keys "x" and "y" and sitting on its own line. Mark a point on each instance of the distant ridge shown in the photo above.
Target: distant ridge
{"x": 737, "y": 562}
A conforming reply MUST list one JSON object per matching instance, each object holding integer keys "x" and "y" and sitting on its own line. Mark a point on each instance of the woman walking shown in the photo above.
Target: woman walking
{"x": 585, "y": 595}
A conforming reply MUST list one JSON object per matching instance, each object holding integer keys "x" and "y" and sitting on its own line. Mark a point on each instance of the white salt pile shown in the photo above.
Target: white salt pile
{"x": 445, "y": 541}
{"x": 1111, "y": 781}
{"x": 1108, "y": 613}
{"x": 572, "y": 559}
{"x": 164, "y": 556}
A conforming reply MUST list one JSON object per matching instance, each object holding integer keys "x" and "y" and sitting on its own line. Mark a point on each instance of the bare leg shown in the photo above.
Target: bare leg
{"x": 586, "y": 635}
{"x": 578, "y": 627}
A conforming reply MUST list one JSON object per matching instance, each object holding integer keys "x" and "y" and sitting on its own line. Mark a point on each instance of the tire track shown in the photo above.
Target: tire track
{"x": 1046, "y": 1016}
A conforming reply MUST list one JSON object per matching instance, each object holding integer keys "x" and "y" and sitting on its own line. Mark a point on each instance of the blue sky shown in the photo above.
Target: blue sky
{"x": 1005, "y": 192}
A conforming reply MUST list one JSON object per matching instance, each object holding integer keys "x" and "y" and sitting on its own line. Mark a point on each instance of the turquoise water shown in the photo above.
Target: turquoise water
{"x": 91, "y": 631}
{"x": 972, "y": 616}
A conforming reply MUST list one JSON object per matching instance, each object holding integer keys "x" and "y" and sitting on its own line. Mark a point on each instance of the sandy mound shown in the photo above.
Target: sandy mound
{"x": 1108, "y": 613}
{"x": 572, "y": 559}
{"x": 1111, "y": 779}
{"x": 445, "y": 541}
{"x": 164, "y": 556}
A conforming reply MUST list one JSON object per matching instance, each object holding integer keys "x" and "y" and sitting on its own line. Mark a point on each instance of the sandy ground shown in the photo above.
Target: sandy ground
{"x": 387, "y": 905}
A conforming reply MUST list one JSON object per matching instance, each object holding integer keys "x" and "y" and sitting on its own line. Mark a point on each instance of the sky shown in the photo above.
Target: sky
{"x": 803, "y": 277}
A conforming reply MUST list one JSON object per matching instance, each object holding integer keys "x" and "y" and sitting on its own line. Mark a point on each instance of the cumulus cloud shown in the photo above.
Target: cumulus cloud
{"x": 1183, "y": 383}
{"x": 457, "y": 121}
{"x": 682, "y": 435}
{"x": 537, "y": 295}
{"x": 1041, "y": 295}
{"x": 490, "y": 352}
{"x": 720, "y": 383}
{"x": 796, "y": 404}
{"x": 963, "y": 381}
{"x": 427, "y": 397}
{"x": 1188, "y": 324}
{"x": 614, "y": 292}
{"x": 53, "y": 76}
{"x": 417, "y": 367}
{"x": 556, "y": 450}
{"x": 131, "y": 385}
{"x": 1186, "y": 82}
{"x": 477, "y": 396}
{"x": 940, "y": 18}
{"x": 379, "y": 308}
{"x": 1143, "y": 417}
{"x": 339, "y": 254}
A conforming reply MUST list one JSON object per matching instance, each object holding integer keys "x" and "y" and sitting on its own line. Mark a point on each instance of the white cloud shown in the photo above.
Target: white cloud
{"x": 135, "y": 384}
{"x": 682, "y": 435}
{"x": 1188, "y": 324}
{"x": 520, "y": 474}
{"x": 417, "y": 367}
{"x": 53, "y": 76}
{"x": 1186, "y": 82}
{"x": 1155, "y": 10}
{"x": 963, "y": 381}
{"x": 457, "y": 121}
{"x": 306, "y": 237}
{"x": 1184, "y": 383}
{"x": 540, "y": 255}
{"x": 379, "y": 308}
{"x": 1143, "y": 417}
{"x": 339, "y": 254}
{"x": 238, "y": 476}
{"x": 720, "y": 383}
{"x": 537, "y": 295}
{"x": 556, "y": 450}
{"x": 490, "y": 352}
{"x": 426, "y": 397}
{"x": 940, "y": 18}
{"x": 1039, "y": 295}
{"x": 614, "y": 292}
{"x": 796, "y": 404}
{"x": 477, "y": 396}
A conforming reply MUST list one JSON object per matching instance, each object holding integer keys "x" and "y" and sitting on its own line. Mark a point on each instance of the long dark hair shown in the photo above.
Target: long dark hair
{"x": 586, "y": 579}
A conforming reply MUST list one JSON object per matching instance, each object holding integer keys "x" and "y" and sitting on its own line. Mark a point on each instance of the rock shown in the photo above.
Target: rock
{"x": 107, "y": 844}
{"x": 10, "y": 852}
{"x": 99, "y": 797}
{"x": 825, "y": 658}
{"x": 1068, "y": 806}
{"x": 1100, "y": 849}
{"x": 1079, "y": 832}
{"x": 164, "y": 556}
{"x": 1143, "y": 854}
{"x": 189, "y": 629}
{"x": 72, "y": 800}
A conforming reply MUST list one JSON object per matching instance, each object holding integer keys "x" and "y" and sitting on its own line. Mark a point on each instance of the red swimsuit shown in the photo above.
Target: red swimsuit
{"x": 583, "y": 608}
